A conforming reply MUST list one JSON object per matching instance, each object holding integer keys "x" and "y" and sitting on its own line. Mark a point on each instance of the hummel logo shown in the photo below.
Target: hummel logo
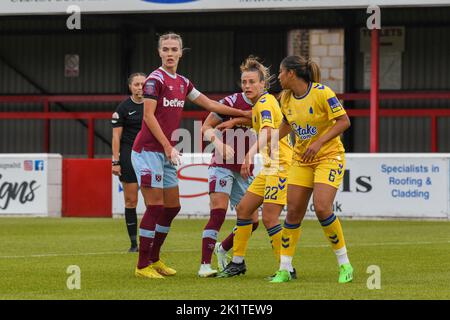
{"x": 130, "y": 113}
{"x": 284, "y": 239}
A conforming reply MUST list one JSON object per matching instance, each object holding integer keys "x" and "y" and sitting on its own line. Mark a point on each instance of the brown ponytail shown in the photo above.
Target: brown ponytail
{"x": 314, "y": 71}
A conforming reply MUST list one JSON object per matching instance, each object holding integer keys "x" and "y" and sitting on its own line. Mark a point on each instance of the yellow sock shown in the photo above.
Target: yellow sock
{"x": 333, "y": 231}
{"x": 275, "y": 240}
{"x": 241, "y": 236}
{"x": 289, "y": 238}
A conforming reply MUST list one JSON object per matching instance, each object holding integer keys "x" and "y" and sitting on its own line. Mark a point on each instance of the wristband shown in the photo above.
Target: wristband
{"x": 116, "y": 163}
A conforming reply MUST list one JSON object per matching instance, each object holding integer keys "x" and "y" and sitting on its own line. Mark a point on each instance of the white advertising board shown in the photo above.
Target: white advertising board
{"x": 10, "y": 7}
{"x": 30, "y": 184}
{"x": 374, "y": 186}
{"x": 393, "y": 185}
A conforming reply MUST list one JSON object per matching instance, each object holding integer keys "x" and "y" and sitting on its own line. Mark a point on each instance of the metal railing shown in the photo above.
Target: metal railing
{"x": 47, "y": 115}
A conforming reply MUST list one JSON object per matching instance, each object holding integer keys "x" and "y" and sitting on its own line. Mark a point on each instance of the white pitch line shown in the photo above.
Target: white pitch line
{"x": 49, "y": 255}
{"x": 376, "y": 244}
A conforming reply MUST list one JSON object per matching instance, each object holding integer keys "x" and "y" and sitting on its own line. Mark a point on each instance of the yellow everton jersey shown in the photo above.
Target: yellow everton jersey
{"x": 267, "y": 113}
{"x": 310, "y": 117}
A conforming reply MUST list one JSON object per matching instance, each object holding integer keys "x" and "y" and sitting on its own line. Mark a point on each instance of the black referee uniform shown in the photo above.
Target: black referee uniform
{"x": 129, "y": 116}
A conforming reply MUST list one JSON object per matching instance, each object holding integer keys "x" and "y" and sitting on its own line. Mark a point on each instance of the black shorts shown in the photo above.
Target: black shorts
{"x": 126, "y": 168}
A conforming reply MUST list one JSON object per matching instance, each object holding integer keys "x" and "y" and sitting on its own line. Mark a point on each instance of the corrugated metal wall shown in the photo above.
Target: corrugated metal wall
{"x": 425, "y": 66}
{"x": 41, "y": 59}
{"x": 112, "y": 46}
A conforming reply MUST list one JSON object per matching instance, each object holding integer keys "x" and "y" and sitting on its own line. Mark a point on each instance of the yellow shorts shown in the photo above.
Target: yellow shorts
{"x": 272, "y": 188}
{"x": 328, "y": 171}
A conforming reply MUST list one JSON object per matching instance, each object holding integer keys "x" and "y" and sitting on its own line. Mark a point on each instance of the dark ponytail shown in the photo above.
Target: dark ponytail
{"x": 305, "y": 69}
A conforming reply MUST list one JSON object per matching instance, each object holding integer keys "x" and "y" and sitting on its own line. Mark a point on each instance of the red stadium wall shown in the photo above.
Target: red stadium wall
{"x": 87, "y": 185}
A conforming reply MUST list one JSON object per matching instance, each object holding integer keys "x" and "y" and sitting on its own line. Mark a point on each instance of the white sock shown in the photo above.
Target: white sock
{"x": 237, "y": 259}
{"x": 286, "y": 263}
{"x": 341, "y": 255}
{"x": 222, "y": 250}
{"x": 205, "y": 266}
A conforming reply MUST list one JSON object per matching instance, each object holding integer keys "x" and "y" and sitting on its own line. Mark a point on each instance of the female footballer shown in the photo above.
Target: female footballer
{"x": 313, "y": 112}
{"x": 126, "y": 122}
{"x": 154, "y": 156}
{"x": 224, "y": 176}
{"x": 269, "y": 186}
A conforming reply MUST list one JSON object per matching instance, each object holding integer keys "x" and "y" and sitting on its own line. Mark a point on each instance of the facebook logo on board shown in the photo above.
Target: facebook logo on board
{"x": 39, "y": 165}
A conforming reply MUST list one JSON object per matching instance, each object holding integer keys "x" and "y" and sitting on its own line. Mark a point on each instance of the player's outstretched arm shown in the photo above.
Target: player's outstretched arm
{"x": 240, "y": 121}
{"x": 214, "y": 106}
{"x": 215, "y": 136}
{"x": 269, "y": 135}
{"x": 208, "y": 127}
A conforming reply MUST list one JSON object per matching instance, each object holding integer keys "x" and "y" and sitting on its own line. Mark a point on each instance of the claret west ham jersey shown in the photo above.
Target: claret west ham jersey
{"x": 244, "y": 137}
{"x": 170, "y": 91}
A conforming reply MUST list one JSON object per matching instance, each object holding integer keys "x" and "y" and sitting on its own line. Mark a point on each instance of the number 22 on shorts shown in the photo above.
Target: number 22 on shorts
{"x": 271, "y": 193}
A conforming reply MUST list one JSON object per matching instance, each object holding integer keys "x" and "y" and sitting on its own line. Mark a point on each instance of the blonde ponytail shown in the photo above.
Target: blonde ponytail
{"x": 252, "y": 64}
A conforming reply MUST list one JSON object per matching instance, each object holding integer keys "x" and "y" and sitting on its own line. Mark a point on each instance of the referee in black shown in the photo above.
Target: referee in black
{"x": 126, "y": 123}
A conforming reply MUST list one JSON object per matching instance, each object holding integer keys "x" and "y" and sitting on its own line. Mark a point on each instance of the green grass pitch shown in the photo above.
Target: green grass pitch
{"x": 413, "y": 256}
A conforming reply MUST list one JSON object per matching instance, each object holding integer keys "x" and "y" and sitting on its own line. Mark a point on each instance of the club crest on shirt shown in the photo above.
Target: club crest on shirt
{"x": 158, "y": 177}
{"x": 223, "y": 183}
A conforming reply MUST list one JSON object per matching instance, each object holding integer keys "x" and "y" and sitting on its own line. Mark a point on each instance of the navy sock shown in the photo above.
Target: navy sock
{"x": 131, "y": 221}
